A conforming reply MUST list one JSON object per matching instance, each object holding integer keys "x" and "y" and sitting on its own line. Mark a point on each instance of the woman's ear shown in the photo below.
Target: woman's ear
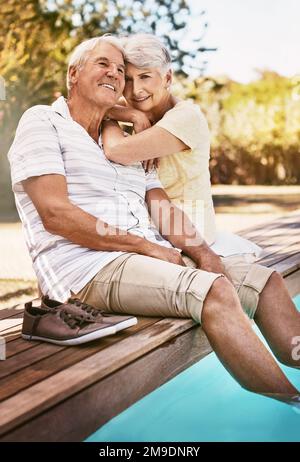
{"x": 169, "y": 78}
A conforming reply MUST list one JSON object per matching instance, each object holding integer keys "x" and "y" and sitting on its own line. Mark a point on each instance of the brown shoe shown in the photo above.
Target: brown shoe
{"x": 61, "y": 327}
{"x": 90, "y": 313}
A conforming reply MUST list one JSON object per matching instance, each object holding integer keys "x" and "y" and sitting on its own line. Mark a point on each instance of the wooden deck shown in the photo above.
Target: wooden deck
{"x": 54, "y": 393}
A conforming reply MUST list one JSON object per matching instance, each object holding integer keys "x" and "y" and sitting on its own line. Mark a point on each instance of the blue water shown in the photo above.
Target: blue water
{"x": 204, "y": 403}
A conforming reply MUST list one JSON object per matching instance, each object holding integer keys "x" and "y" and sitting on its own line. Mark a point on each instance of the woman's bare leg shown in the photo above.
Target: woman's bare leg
{"x": 279, "y": 321}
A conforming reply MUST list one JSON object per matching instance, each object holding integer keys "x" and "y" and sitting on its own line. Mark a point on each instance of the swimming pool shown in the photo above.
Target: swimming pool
{"x": 204, "y": 403}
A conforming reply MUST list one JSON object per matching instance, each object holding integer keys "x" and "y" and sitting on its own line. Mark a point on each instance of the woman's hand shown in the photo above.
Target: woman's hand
{"x": 124, "y": 113}
{"x": 140, "y": 121}
{"x": 150, "y": 164}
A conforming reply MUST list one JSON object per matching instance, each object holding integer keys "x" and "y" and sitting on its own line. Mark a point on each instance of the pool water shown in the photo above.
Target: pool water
{"x": 204, "y": 403}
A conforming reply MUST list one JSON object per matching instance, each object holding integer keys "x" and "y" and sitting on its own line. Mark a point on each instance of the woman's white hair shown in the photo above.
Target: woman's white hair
{"x": 146, "y": 50}
{"x": 82, "y": 51}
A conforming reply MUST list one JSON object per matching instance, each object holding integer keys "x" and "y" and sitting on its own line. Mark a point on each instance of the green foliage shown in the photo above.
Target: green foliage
{"x": 169, "y": 19}
{"x": 255, "y": 127}
{"x": 33, "y": 47}
{"x": 36, "y": 37}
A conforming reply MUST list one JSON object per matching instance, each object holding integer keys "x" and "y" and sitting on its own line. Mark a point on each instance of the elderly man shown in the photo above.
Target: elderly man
{"x": 87, "y": 227}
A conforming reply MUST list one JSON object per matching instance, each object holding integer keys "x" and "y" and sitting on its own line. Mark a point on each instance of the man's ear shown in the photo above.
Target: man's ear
{"x": 73, "y": 74}
{"x": 169, "y": 78}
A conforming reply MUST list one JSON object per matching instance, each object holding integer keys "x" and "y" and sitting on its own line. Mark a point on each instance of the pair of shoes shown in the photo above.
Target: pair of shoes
{"x": 90, "y": 313}
{"x": 69, "y": 323}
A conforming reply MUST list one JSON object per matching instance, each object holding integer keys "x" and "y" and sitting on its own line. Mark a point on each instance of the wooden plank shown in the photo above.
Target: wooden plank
{"x": 6, "y": 324}
{"x": 18, "y": 345}
{"x": 291, "y": 217}
{"x": 278, "y": 241}
{"x": 30, "y": 367}
{"x": 280, "y": 255}
{"x": 14, "y": 311}
{"x": 97, "y": 382}
{"x": 12, "y": 333}
{"x": 288, "y": 265}
{"x": 22, "y": 345}
{"x": 278, "y": 247}
{"x": 83, "y": 413}
{"x": 279, "y": 235}
{"x": 44, "y": 394}
{"x": 25, "y": 359}
{"x": 17, "y": 310}
{"x": 258, "y": 232}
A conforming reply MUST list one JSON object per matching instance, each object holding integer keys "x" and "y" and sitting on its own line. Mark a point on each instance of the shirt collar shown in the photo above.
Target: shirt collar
{"x": 60, "y": 106}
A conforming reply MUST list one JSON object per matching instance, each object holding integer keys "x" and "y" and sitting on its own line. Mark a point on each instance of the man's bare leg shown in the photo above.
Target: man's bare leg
{"x": 231, "y": 336}
{"x": 278, "y": 319}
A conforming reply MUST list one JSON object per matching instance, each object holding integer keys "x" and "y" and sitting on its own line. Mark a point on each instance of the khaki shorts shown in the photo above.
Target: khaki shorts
{"x": 145, "y": 286}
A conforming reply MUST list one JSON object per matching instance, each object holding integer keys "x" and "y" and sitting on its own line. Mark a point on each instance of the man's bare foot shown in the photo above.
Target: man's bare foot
{"x": 291, "y": 400}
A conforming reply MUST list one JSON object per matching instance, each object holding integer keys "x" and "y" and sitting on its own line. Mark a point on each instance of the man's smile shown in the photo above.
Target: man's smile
{"x": 107, "y": 85}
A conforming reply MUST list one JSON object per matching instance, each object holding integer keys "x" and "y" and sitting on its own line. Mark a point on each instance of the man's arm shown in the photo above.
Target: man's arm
{"x": 59, "y": 216}
{"x": 176, "y": 227}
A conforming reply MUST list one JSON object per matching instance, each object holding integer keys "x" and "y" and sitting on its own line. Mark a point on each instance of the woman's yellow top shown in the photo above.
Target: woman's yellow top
{"x": 185, "y": 175}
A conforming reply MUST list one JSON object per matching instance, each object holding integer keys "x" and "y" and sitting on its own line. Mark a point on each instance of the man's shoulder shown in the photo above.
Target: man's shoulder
{"x": 39, "y": 111}
{"x": 36, "y": 118}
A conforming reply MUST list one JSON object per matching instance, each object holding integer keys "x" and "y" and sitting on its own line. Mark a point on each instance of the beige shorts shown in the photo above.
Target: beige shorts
{"x": 145, "y": 286}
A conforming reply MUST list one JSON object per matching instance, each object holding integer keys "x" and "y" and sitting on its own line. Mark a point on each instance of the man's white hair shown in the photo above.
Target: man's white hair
{"x": 146, "y": 50}
{"x": 82, "y": 51}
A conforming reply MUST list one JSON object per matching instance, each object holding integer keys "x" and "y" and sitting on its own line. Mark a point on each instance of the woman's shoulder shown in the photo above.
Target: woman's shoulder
{"x": 186, "y": 111}
{"x": 187, "y": 107}
{"x": 186, "y": 121}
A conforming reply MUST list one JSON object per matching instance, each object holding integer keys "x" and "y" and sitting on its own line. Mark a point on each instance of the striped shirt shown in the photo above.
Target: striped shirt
{"x": 49, "y": 141}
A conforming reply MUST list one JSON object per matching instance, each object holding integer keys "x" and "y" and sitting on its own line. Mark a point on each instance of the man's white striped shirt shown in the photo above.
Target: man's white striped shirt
{"x": 49, "y": 141}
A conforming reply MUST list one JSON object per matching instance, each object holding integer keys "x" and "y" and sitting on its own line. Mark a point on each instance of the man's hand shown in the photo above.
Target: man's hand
{"x": 162, "y": 253}
{"x": 140, "y": 121}
{"x": 209, "y": 261}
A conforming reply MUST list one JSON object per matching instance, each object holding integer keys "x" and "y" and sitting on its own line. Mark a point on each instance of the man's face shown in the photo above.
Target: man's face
{"x": 101, "y": 79}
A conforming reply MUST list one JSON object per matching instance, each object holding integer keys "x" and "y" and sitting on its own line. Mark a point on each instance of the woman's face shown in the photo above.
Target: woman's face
{"x": 145, "y": 89}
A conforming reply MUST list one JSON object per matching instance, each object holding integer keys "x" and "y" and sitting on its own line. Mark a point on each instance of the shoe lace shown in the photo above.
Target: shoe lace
{"x": 72, "y": 320}
{"x": 86, "y": 307}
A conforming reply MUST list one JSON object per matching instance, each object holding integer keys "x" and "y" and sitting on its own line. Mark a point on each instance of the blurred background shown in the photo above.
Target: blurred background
{"x": 239, "y": 60}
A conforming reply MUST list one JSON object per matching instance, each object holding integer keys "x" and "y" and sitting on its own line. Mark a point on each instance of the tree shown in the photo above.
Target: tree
{"x": 169, "y": 19}
{"x": 255, "y": 127}
{"x": 37, "y": 36}
{"x": 32, "y": 52}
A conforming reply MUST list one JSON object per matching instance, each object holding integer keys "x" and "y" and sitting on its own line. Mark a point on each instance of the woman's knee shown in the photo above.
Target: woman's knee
{"x": 274, "y": 282}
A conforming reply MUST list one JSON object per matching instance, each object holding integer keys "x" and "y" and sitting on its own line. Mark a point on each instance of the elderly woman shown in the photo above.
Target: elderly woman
{"x": 178, "y": 132}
